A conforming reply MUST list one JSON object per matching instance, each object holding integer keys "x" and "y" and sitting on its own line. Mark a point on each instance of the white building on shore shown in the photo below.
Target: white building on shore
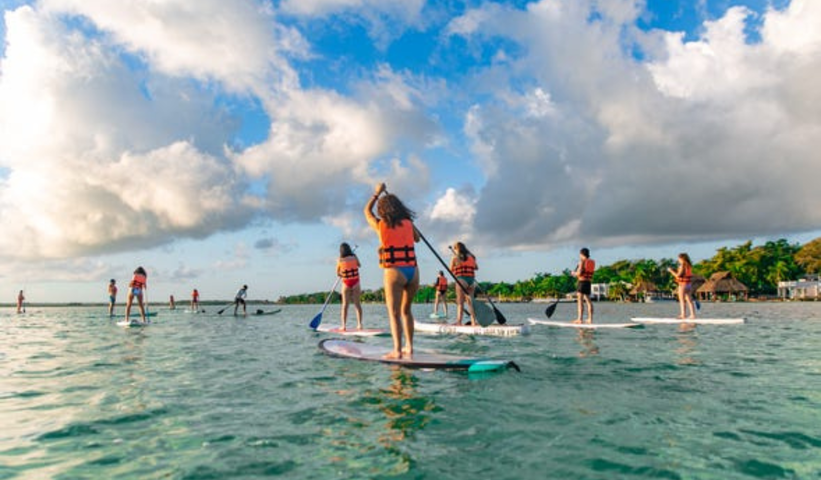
{"x": 808, "y": 288}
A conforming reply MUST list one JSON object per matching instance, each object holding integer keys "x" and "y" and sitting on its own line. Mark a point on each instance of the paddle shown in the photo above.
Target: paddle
{"x": 318, "y": 318}
{"x": 499, "y": 317}
{"x": 551, "y": 308}
{"x": 219, "y": 312}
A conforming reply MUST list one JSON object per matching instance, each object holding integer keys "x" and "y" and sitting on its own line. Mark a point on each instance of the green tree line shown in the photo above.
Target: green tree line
{"x": 760, "y": 268}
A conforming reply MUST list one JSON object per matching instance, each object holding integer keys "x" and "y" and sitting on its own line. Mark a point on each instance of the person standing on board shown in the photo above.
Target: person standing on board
{"x": 195, "y": 301}
{"x": 112, "y": 296}
{"x": 239, "y": 299}
{"x": 172, "y": 304}
{"x": 20, "y": 299}
{"x": 584, "y": 274}
{"x": 138, "y": 283}
{"x": 463, "y": 265}
{"x": 684, "y": 276}
{"x": 347, "y": 268}
{"x": 397, "y": 258}
{"x": 441, "y": 286}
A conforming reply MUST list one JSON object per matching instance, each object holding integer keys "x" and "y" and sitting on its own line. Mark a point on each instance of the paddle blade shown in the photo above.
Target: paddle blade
{"x": 499, "y": 317}
{"x": 484, "y": 314}
{"x": 550, "y": 309}
{"x": 316, "y": 321}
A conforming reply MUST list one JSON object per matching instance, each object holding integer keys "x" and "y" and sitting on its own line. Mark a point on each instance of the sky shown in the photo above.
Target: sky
{"x": 226, "y": 143}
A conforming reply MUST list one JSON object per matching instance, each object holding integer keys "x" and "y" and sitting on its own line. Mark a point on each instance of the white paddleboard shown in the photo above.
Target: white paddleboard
{"x": 492, "y": 330}
{"x": 587, "y": 326}
{"x": 365, "y": 332}
{"x": 699, "y": 321}
{"x": 132, "y": 323}
{"x": 420, "y": 359}
{"x": 437, "y": 316}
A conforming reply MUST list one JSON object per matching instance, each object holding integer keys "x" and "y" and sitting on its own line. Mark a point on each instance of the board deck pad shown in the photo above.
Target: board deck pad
{"x": 421, "y": 359}
{"x": 587, "y": 326}
{"x": 365, "y": 332}
{"x": 698, "y": 321}
{"x": 492, "y": 330}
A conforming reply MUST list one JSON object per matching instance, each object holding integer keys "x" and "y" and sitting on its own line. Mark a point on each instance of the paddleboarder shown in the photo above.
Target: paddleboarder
{"x": 195, "y": 300}
{"x": 684, "y": 276}
{"x": 464, "y": 266}
{"x": 20, "y": 299}
{"x": 347, "y": 268}
{"x": 441, "y": 287}
{"x": 112, "y": 296}
{"x": 397, "y": 257}
{"x": 584, "y": 274}
{"x": 239, "y": 299}
{"x": 138, "y": 283}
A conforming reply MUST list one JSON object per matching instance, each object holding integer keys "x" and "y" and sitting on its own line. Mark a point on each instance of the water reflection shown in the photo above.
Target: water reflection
{"x": 687, "y": 343}
{"x": 586, "y": 339}
{"x": 406, "y": 411}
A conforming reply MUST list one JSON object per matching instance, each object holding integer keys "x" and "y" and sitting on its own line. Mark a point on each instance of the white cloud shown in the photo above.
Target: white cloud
{"x": 707, "y": 139}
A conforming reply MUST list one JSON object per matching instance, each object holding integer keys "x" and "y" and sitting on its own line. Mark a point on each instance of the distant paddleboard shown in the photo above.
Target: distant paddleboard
{"x": 365, "y": 332}
{"x": 132, "y": 323}
{"x": 699, "y": 321}
{"x": 272, "y": 312}
{"x": 493, "y": 330}
{"x": 374, "y": 353}
{"x": 587, "y": 326}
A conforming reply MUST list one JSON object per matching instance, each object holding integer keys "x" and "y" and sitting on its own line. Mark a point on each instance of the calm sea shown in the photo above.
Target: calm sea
{"x": 218, "y": 397}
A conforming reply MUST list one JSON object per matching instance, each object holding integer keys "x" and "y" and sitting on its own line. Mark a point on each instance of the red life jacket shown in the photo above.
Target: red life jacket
{"x": 586, "y": 273}
{"x": 441, "y": 283}
{"x": 396, "y": 249}
{"x": 348, "y": 267}
{"x": 138, "y": 281}
{"x": 466, "y": 268}
{"x": 686, "y": 275}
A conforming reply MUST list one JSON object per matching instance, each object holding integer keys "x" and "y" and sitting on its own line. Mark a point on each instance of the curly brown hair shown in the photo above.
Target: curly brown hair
{"x": 392, "y": 211}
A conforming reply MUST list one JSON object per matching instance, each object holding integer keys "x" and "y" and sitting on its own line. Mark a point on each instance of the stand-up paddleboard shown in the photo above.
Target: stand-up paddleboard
{"x": 698, "y": 321}
{"x": 188, "y": 310}
{"x": 493, "y": 330}
{"x": 132, "y": 323}
{"x": 587, "y": 326}
{"x": 272, "y": 312}
{"x": 353, "y": 332}
{"x": 373, "y": 353}
{"x": 437, "y": 316}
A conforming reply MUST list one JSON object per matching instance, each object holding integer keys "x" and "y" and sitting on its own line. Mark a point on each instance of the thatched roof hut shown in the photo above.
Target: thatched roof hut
{"x": 643, "y": 286}
{"x": 722, "y": 283}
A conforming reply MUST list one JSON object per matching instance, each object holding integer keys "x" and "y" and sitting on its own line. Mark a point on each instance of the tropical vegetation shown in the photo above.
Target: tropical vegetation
{"x": 760, "y": 268}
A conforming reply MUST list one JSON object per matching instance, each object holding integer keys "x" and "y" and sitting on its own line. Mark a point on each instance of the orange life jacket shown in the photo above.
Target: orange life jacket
{"x": 396, "y": 249}
{"x": 348, "y": 267}
{"x": 586, "y": 273}
{"x": 467, "y": 268}
{"x": 138, "y": 281}
{"x": 686, "y": 275}
{"x": 441, "y": 283}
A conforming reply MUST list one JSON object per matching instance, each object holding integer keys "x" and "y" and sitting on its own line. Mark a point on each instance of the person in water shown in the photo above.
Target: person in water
{"x": 584, "y": 275}
{"x": 441, "y": 287}
{"x": 136, "y": 287}
{"x": 684, "y": 276}
{"x": 20, "y": 299}
{"x": 195, "y": 301}
{"x": 112, "y": 296}
{"x": 347, "y": 268}
{"x": 397, "y": 257}
{"x": 464, "y": 266}
{"x": 239, "y": 299}
{"x": 172, "y": 304}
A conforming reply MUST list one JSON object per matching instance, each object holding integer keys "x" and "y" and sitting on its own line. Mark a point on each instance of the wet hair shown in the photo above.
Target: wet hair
{"x": 392, "y": 211}
{"x": 113, "y": 281}
{"x": 584, "y": 251}
{"x": 345, "y": 250}
{"x": 140, "y": 271}
{"x": 461, "y": 251}
{"x": 686, "y": 258}
{"x": 245, "y": 287}
{"x": 441, "y": 272}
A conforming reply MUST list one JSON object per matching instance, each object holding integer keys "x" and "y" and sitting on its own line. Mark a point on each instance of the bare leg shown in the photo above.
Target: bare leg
{"x": 394, "y": 283}
{"x": 579, "y": 311}
{"x": 407, "y": 315}
{"x": 356, "y": 295}
{"x": 344, "y": 309}
{"x": 589, "y": 309}
{"x": 128, "y": 302}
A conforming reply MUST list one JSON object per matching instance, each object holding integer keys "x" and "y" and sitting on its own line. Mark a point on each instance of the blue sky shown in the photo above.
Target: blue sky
{"x": 242, "y": 151}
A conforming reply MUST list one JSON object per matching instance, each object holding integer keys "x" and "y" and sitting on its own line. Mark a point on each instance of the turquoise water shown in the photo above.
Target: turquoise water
{"x": 208, "y": 397}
